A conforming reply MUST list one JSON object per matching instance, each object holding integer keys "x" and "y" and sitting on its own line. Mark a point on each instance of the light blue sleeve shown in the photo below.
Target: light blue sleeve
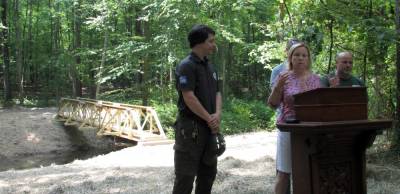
{"x": 274, "y": 74}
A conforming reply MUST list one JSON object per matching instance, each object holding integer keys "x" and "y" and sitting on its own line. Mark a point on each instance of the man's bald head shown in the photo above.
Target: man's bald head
{"x": 343, "y": 54}
{"x": 344, "y": 64}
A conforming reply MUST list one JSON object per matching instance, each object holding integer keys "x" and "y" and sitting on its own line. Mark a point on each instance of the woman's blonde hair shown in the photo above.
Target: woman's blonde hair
{"x": 291, "y": 51}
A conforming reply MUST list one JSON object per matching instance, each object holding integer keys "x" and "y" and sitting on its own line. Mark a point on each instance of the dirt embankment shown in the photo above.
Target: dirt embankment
{"x": 32, "y": 137}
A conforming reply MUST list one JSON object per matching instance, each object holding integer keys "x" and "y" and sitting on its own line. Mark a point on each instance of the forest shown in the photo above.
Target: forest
{"x": 126, "y": 51}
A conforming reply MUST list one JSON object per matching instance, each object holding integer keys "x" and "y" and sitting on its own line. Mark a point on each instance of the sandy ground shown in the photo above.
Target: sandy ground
{"x": 32, "y": 137}
{"x": 248, "y": 165}
{"x": 27, "y": 131}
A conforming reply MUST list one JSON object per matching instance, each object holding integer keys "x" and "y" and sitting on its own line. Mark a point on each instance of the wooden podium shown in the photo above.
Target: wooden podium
{"x": 329, "y": 142}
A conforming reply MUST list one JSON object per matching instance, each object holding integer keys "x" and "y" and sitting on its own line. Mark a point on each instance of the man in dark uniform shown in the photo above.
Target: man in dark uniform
{"x": 199, "y": 107}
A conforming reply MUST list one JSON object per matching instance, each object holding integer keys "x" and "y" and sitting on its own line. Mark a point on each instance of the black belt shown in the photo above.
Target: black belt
{"x": 192, "y": 117}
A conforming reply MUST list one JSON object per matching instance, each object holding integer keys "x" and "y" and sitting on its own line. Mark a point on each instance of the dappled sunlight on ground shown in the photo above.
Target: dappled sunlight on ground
{"x": 32, "y": 138}
{"x": 149, "y": 169}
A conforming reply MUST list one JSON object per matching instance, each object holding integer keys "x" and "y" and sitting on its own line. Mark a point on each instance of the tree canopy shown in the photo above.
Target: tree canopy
{"x": 55, "y": 48}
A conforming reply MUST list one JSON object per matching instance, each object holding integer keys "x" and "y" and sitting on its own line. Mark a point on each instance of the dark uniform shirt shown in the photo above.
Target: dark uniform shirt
{"x": 352, "y": 81}
{"x": 199, "y": 76}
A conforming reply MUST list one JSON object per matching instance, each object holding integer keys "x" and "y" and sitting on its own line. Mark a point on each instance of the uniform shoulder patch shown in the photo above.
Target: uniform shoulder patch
{"x": 183, "y": 80}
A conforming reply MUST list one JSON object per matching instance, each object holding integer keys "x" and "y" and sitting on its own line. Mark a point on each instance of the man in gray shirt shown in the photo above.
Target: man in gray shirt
{"x": 342, "y": 76}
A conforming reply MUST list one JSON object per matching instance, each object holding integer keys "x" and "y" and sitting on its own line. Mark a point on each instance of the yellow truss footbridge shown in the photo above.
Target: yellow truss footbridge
{"x": 133, "y": 122}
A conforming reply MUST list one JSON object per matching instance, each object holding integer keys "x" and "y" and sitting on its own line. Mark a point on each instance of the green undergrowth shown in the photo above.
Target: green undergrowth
{"x": 238, "y": 115}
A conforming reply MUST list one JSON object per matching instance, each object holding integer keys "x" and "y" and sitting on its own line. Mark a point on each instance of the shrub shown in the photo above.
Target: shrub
{"x": 244, "y": 116}
{"x": 167, "y": 114}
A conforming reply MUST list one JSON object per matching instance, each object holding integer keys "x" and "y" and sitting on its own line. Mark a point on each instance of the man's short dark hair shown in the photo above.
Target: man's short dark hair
{"x": 198, "y": 34}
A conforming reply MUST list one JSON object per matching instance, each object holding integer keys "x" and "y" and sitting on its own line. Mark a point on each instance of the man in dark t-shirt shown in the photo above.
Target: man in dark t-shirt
{"x": 199, "y": 107}
{"x": 342, "y": 76}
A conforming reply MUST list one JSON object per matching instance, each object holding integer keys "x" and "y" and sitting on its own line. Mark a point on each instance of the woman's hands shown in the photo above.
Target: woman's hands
{"x": 275, "y": 98}
{"x": 282, "y": 79}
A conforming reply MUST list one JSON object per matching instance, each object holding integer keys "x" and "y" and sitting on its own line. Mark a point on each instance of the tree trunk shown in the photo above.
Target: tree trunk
{"x": 6, "y": 52}
{"x": 142, "y": 29}
{"x": 290, "y": 18}
{"x": 138, "y": 23}
{"x": 74, "y": 75}
{"x": 171, "y": 78}
{"x": 128, "y": 20}
{"x": 377, "y": 85}
{"x": 92, "y": 70}
{"x": 225, "y": 76}
{"x": 138, "y": 32}
{"x": 56, "y": 48}
{"x": 223, "y": 72}
{"x": 103, "y": 60}
{"x": 24, "y": 44}
{"x": 146, "y": 68}
{"x": 247, "y": 75}
{"x": 162, "y": 83}
{"x": 331, "y": 45}
{"x": 398, "y": 72}
{"x": 29, "y": 44}
{"x": 35, "y": 66}
{"x": 18, "y": 53}
{"x": 282, "y": 11}
{"x": 51, "y": 54}
{"x": 364, "y": 75}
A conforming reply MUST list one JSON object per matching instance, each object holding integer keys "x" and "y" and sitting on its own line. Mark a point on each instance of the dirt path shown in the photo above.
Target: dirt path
{"x": 247, "y": 166}
{"x": 244, "y": 168}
